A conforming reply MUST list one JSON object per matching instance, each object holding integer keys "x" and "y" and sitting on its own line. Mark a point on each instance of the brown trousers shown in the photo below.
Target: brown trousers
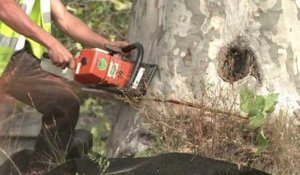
{"x": 27, "y": 82}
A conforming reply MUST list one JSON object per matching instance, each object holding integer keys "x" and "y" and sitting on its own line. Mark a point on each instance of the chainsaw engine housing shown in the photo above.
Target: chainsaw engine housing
{"x": 96, "y": 66}
{"x": 112, "y": 70}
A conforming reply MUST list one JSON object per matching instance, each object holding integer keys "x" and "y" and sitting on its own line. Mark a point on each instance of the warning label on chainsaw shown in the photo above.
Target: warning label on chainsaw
{"x": 113, "y": 69}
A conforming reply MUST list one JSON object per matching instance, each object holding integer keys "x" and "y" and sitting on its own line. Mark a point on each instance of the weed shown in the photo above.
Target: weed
{"x": 57, "y": 154}
{"x": 257, "y": 107}
{"x": 102, "y": 162}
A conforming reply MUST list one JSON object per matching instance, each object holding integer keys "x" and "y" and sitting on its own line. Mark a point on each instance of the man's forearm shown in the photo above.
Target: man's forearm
{"x": 13, "y": 16}
{"x": 81, "y": 33}
{"x": 76, "y": 29}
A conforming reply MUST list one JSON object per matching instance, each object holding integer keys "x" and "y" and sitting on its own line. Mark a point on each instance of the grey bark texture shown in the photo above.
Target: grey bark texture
{"x": 186, "y": 37}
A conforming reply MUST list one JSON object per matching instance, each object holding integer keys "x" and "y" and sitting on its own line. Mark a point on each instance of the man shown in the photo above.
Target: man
{"x": 24, "y": 36}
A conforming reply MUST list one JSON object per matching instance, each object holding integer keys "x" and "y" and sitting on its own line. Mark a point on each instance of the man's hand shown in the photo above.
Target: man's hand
{"x": 60, "y": 56}
{"x": 119, "y": 44}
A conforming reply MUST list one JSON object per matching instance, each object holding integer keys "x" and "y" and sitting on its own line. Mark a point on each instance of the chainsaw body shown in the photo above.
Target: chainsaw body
{"x": 112, "y": 71}
{"x": 95, "y": 66}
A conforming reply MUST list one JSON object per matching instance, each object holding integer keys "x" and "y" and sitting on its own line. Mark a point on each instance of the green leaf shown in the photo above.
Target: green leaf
{"x": 246, "y": 97}
{"x": 262, "y": 143}
{"x": 256, "y": 105}
{"x": 119, "y": 5}
{"x": 251, "y": 103}
{"x": 78, "y": 46}
{"x": 95, "y": 132}
{"x": 246, "y": 94}
{"x": 257, "y": 121}
{"x": 270, "y": 102}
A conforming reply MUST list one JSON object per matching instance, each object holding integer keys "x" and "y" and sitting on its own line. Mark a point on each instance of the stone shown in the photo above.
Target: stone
{"x": 164, "y": 164}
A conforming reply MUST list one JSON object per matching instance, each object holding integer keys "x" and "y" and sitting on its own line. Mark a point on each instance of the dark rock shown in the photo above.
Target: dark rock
{"x": 165, "y": 164}
{"x": 18, "y": 163}
{"x": 82, "y": 143}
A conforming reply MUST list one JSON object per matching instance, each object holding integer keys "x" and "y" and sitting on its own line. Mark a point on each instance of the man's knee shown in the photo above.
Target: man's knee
{"x": 63, "y": 107}
{"x": 73, "y": 102}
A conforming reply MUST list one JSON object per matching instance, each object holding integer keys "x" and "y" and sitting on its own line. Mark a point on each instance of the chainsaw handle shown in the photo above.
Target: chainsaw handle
{"x": 139, "y": 58}
{"x": 113, "y": 49}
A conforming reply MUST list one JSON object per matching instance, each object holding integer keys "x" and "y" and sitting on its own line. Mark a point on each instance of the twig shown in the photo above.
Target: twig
{"x": 165, "y": 124}
{"x": 195, "y": 106}
{"x": 31, "y": 100}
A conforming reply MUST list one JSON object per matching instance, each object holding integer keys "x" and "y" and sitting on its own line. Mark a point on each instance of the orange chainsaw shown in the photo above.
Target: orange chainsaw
{"x": 110, "y": 70}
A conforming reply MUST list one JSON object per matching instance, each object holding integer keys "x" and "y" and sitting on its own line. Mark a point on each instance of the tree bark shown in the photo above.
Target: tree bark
{"x": 187, "y": 39}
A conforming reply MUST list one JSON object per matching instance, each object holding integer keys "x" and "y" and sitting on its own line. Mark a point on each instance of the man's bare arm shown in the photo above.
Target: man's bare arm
{"x": 76, "y": 29}
{"x": 13, "y": 16}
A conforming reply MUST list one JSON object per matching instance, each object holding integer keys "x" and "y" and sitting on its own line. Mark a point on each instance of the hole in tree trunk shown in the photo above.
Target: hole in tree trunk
{"x": 237, "y": 60}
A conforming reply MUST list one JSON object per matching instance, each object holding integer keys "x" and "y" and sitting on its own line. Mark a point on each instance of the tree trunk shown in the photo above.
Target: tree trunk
{"x": 194, "y": 42}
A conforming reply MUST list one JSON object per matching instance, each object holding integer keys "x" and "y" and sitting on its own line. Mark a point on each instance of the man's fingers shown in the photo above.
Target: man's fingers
{"x": 64, "y": 65}
{"x": 72, "y": 64}
{"x": 122, "y": 44}
{"x": 60, "y": 64}
{"x": 56, "y": 63}
{"x": 119, "y": 44}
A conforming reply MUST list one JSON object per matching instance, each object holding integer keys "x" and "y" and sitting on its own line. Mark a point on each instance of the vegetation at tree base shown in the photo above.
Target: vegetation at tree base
{"x": 220, "y": 130}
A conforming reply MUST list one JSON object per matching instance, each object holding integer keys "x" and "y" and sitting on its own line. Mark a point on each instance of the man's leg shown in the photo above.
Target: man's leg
{"x": 28, "y": 83}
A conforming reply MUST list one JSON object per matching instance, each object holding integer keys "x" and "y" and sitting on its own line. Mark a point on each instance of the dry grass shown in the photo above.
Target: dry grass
{"x": 283, "y": 154}
{"x": 215, "y": 129}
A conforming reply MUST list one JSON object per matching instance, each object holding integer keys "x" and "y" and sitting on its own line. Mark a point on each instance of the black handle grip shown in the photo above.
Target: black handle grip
{"x": 46, "y": 55}
{"x": 139, "y": 58}
{"x": 113, "y": 49}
